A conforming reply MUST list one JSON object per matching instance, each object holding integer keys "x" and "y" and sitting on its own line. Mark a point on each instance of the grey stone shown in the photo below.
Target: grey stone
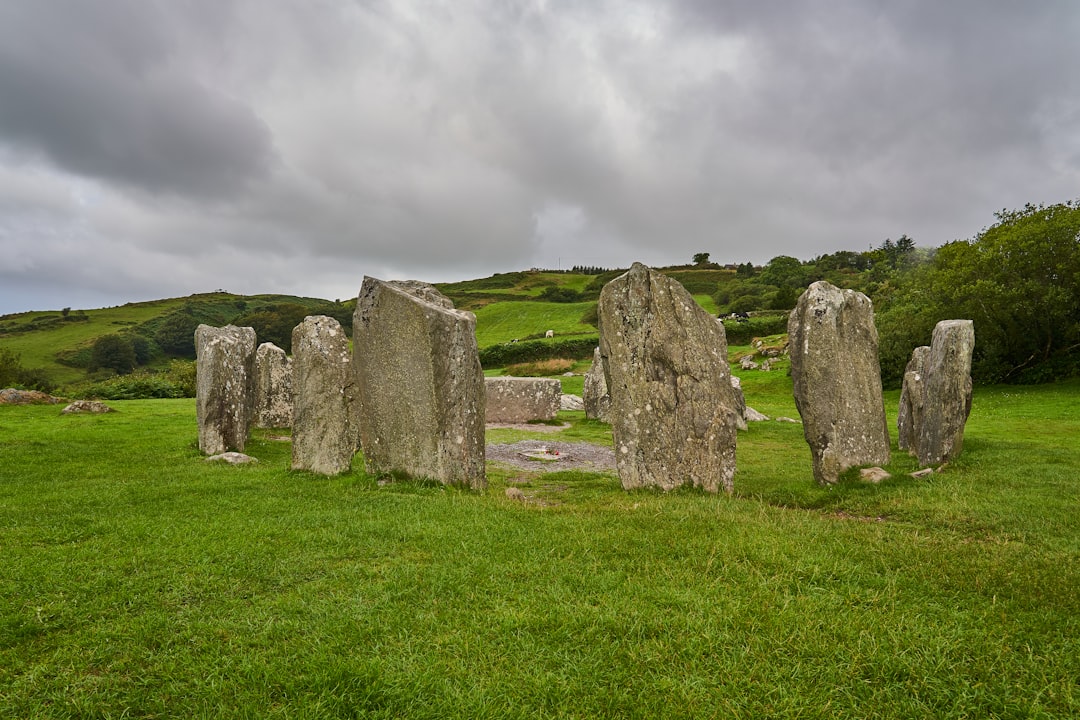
{"x": 87, "y": 406}
{"x": 912, "y": 397}
{"x": 753, "y": 415}
{"x": 571, "y": 402}
{"x": 594, "y": 390}
{"x": 874, "y": 475}
{"x": 273, "y": 387}
{"x": 322, "y": 440}
{"x": 225, "y": 370}
{"x": 424, "y": 291}
{"x": 837, "y": 380}
{"x": 740, "y": 402}
{"x": 746, "y": 362}
{"x": 947, "y": 401}
{"x": 925, "y": 472}
{"x": 11, "y": 396}
{"x": 419, "y": 385}
{"x": 232, "y": 458}
{"x": 673, "y": 415}
{"x": 521, "y": 399}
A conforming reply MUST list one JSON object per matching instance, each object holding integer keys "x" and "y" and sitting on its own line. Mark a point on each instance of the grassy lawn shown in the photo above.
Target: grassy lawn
{"x": 140, "y": 581}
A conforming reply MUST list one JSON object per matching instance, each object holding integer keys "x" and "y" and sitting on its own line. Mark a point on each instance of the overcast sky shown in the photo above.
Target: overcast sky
{"x": 156, "y": 149}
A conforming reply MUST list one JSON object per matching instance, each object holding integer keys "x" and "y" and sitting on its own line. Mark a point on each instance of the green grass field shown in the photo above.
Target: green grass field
{"x": 140, "y": 581}
{"x": 505, "y": 321}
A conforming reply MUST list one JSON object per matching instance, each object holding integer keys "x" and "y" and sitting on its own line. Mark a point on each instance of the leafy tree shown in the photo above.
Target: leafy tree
{"x": 554, "y": 293}
{"x": 745, "y": 270}
{"x": 113, "y": 352}
{"x": 1018, "y": 280}
{"x": 701, "y": 258}
{"x": 784, "y": 270}
{"x": 175, "y": 334}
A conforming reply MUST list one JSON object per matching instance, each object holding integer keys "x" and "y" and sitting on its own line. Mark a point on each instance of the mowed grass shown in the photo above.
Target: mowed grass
{"x": 140, "y": 581}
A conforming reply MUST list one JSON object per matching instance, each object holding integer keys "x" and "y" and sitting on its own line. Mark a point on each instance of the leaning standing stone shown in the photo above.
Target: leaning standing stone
{"x": 948, "y": 392}
{"x": 912, "y": 396}
{"x": 224, "y": 375}
{"x": 594, "y": 391}
{"x": 321, "y": 438}
{"x": 837, "y": 380}
{"x": 273, "y": 387}
{"x": 419, "y": 385}
{"x": 673, "y": 416}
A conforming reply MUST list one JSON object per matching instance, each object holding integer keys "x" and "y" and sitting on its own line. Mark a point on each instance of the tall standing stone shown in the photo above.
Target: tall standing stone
{"x": 419, "y": 385}
{"x": 594, "y": 392}
{"x": 837, "y": 380}
{"x": 273, "y": 387}
{"x": 912, "y": 397}
{"x": 672, "y": 415}
{"x": 948, "y": 392}
{"x": 322, "y": 440}
{"x": 224, "y": 379}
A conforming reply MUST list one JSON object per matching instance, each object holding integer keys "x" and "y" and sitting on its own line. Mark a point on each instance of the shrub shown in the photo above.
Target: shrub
{"x": 534, "y": 350}
{"x": 540, "y": 368}
{"x": 113, "y": 352}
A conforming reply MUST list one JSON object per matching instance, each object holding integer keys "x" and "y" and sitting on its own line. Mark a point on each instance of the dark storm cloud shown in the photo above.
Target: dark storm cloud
{"x": 98, "y": 90}
{"x": 294, "y": 146}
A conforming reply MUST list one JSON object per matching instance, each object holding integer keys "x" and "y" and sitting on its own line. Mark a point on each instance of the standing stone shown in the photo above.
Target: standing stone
{"x": 947, "y": 401}
{"x": 912, "y": 396}
{"x": 594, "y": 391}
{"x": 740, "y": 402}
{"x": 673, "y": 416}
{"x": 322, "y": 440}
{"x": 273, "y": 387}
{"x": 224, "y": 379}
{"x": 419, "y": 385}
{"x": 521, "y": 399}
{"x": 837, "y": 380}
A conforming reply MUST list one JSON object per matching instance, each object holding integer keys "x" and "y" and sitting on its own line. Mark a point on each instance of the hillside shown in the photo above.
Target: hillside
{"x": 508, "y": 306}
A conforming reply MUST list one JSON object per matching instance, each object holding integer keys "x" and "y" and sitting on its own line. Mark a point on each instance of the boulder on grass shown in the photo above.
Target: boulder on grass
{"x": 225, "y": 369}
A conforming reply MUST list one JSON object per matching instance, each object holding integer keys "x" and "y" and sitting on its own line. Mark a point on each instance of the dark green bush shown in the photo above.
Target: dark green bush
{"x": 534, "y": 350}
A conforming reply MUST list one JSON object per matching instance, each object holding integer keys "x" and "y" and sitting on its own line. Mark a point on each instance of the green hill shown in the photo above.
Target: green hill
{"x": 508, "y": 306}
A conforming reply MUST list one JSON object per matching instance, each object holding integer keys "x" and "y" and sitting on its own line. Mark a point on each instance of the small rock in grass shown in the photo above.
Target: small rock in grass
{"x": 752, "y": 415}
{"x": 922, "y": 473}
{"x": 233, "y": 458}
{"x": 873, "y": 475}
{"x": 87, "y": 406}
{"x": 514, "y": 493}
{"x": 787, "y": 420}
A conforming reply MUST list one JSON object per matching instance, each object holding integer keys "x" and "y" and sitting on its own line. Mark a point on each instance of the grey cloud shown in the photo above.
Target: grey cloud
{"x": 96, "y": 89}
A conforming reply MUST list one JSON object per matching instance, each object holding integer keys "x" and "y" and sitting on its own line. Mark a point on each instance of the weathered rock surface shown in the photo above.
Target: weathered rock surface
{"x": 424, "y": 291}
{"x": 571, "y": 402}
{"x": 912, "y": 397}
{"x": 273, "y": 387}
{"x": 224, "y": 386}
{"x": 232, "y": 458}
{"x": 420, "y": 388}
{"x": 673, "y": 415}
{"x": 947, "y": 401}
{"x": 87, "y": 406}
{"x": 753, "y": 415}
{"x": 837, "y": 380}
{"x": 322, "y": 439}
{"x": 874, "y": 475}
{"x": 594, "y": 391}
{"x": 11, "y": 396}
{"x": 521, "y": 399}
{"x": 740, "y": 402}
